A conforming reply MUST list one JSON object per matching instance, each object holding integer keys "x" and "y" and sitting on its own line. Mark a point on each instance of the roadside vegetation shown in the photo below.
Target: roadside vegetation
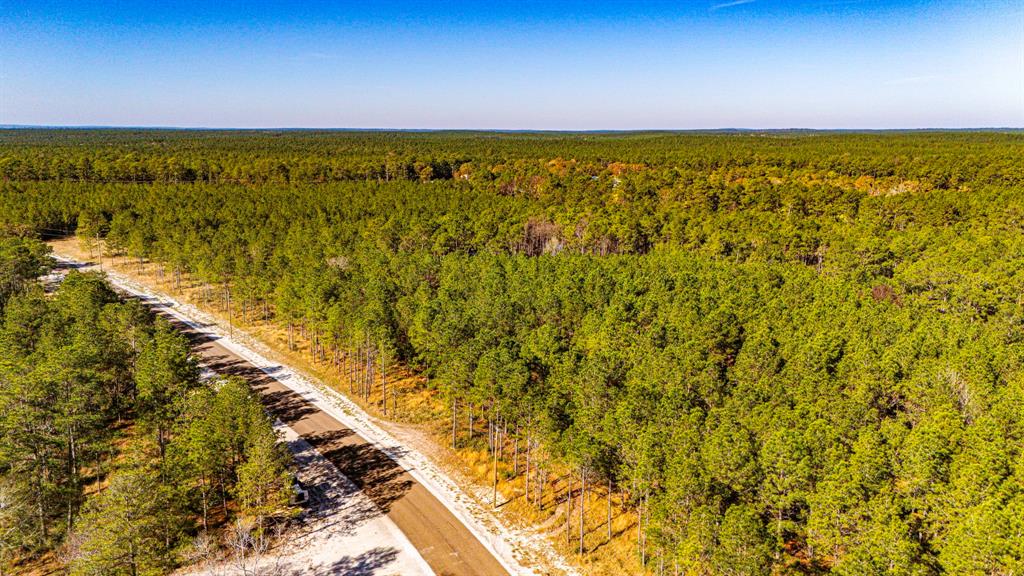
{"x": 779, "y": 351}
{"x": 114, "y": 456}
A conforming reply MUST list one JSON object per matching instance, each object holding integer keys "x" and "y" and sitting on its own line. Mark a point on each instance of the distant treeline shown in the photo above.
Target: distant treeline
{"x": 523, "y": 161}
{"x": 792, "y": 351}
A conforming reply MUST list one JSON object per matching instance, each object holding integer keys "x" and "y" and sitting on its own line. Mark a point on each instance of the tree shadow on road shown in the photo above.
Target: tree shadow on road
{"x": 287, "y": 405}
{"x": 366, "y": 564}
{"x": 377, "y": 475}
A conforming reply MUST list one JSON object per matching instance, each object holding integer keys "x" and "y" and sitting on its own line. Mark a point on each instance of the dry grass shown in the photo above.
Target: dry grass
{"x": 415, "y": 409}
{"x": 47, "y": 564}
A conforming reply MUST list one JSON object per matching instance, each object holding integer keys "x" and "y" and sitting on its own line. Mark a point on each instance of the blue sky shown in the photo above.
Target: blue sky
{"x": 514, "y": 65}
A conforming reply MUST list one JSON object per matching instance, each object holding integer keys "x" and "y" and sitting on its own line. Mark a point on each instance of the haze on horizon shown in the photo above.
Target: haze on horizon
{"x": 515, "y": 65}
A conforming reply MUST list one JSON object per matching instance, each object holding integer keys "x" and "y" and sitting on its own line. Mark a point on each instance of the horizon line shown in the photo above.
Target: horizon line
{"x": 495, "y": 130}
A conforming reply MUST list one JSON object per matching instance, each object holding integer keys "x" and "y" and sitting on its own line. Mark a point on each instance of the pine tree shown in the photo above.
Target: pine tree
{"x": 164, "y": 374}
{"x": 264, "y": 488}
{"x": 126, "y": 528}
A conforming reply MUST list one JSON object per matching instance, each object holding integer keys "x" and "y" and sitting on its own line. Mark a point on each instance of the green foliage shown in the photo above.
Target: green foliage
{"x": 55, "y": 384}
{"x": 16, "y": 532}
{"x": 76, "y": 363}
{"x": 165, "y": 371}
{"x": 264, "y": 483}
{"x": 21, "y": 260}
{"x": 126, "y": 528}
{"x": 225, "y": 443}
{"x": 795, "y": 349}
{"x": 743, "y": 546}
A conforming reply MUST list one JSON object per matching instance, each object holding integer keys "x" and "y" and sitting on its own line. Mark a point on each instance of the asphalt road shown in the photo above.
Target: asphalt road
{"x": 441, "y": 539}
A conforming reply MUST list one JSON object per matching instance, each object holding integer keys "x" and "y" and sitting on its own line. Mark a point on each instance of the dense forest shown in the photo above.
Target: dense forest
{"x": 113, "y": 453}
{"x": 793, "y": 351}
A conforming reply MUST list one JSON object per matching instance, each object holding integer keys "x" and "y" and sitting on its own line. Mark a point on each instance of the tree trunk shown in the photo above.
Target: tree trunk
{"x": 227, "y": 300}
{"x": 540, "y": 487}
{"x": 502, "y": 438}
{"x": 73, "y": 473}
{"x": 454, "y": 415}
{"x": 528, "y": 479}
{"x": 368, "y": 390}
{"x": 384, "y": 382}
{"x": 640, "y": 529}
{"x": 568, "y": 512}
{"x": 359, "y": 371}
{"x": 205, "y": 491}
{"x": 515, "y": 455}
{"x": 609, "y": 509}
{"x": 583, "y": 501}
{"x": 494, "y": 495}
{"x": 643, "y": 533}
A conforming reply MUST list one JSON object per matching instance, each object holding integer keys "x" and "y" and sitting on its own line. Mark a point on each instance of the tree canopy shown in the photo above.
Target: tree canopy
{"x": 792, "y": 350}
{"x": 81, "y": 371}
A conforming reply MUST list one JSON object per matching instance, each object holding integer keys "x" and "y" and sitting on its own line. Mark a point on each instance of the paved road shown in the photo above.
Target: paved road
{"x": 441, "y": 539}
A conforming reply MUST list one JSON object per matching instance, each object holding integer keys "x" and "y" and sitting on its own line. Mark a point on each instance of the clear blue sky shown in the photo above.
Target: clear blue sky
{"x": 514, "y": 65}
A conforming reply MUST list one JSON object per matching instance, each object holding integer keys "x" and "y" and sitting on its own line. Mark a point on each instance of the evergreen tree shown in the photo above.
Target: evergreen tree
{"x": 127, "y": 528}
{"x": 164, "y": 374}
